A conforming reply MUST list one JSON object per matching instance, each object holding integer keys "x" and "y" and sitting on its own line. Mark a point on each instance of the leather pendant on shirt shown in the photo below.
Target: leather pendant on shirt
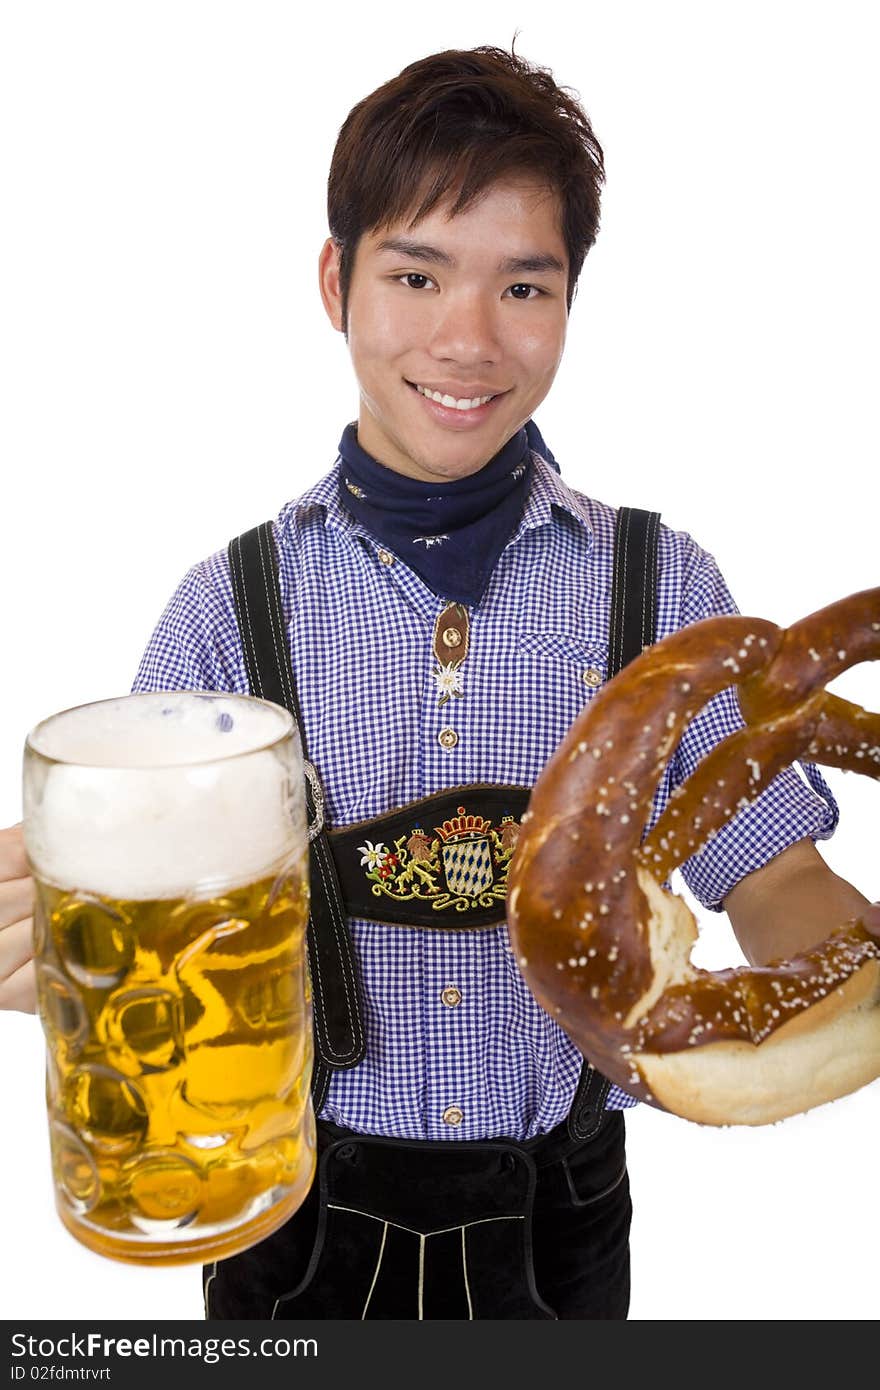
{"x": 451, "y": 635}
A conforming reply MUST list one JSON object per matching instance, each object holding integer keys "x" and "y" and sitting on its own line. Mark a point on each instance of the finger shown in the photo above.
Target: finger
{"x": 13, "y": 860}
{"x": 19, "y": 992}
{"x": 16, "y": 946}
{"x": 16, "y": 900}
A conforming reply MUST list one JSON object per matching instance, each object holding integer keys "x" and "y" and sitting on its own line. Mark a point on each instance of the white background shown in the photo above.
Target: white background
{"x": 169, "y": 379}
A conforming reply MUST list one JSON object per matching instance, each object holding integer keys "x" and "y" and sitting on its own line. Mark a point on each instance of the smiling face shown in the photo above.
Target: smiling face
{"x": 466, "y": 307}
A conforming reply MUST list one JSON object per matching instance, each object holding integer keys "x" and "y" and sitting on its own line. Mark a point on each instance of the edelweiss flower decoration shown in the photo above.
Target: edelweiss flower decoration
{"x": 372, "y": 855}
{"x": 448, "y": 680}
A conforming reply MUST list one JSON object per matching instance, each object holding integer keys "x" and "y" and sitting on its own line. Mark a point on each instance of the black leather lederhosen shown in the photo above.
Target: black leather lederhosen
{"x": 406, "y": 1228}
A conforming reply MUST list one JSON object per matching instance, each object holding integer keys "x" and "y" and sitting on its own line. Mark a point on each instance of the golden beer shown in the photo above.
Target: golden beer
{"x": 178, "y": 1025}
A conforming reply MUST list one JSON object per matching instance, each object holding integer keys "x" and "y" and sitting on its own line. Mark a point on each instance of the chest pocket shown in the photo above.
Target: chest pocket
{"x": 580, "y": 662}
{"x": 562, "y": 672}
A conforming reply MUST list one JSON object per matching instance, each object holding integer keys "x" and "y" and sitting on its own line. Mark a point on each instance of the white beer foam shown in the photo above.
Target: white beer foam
{"x": 159, "y": 729}
{"x": 163, "y": 795}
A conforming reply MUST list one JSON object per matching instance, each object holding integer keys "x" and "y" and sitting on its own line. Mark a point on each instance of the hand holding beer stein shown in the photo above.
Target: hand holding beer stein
{"x": 17, "y": 988}
{"x": 167, "y": 839}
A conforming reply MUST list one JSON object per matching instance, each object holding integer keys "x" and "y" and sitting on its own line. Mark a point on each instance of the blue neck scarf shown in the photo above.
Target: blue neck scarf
{"x": 451, "y": 534}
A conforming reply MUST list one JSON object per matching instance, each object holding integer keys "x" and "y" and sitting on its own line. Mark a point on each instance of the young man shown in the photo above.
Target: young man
{"x": 445, "y": 601}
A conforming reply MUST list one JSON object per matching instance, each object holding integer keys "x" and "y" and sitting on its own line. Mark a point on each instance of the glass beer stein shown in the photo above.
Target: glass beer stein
{"x": 167, "y": 839}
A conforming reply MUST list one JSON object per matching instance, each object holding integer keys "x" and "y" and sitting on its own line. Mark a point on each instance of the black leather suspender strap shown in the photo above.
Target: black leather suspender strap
{"x": 336, "y": 1002}
{"x": 632, "y": 627}
{"x": 633, "y": 620}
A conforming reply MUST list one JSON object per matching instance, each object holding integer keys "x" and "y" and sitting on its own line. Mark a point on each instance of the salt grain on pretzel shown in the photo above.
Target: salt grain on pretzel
{"x": 605, "y": 948}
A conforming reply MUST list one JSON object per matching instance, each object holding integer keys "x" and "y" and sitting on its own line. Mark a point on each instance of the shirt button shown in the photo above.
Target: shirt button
{"x": 447, "y": 738}
{"x": 451, "y": 996}
{"x": 452, "y": 1115}
{"x": 451, "y": 637}
{"x": 592, "y": 677}
{"x": 386, "y": 557}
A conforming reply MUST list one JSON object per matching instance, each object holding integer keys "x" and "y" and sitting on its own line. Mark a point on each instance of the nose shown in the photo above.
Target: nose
{"x": 466, "y": 330}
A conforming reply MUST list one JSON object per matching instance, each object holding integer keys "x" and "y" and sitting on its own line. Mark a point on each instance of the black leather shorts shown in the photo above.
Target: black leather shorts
{"x": 412, "y": 1230}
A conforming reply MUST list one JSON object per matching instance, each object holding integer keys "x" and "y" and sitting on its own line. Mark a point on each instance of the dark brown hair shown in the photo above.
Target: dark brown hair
{"x": 462, "y": 119}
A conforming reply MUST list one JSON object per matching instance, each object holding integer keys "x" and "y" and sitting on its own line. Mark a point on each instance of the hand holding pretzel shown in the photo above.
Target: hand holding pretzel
{"x": 606, "y": 950}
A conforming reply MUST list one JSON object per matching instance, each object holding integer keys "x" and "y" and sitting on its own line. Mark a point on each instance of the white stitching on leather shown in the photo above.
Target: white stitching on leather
{"x": 649, "y": 594}
{"x": 467, "y": 1287}
{"x": 208, "y": 1282}
{"x": 444, "y": 1230}
{"x": 619, "y": 591}
{"x": 645, "y": 594}
{"x": 253, "y": 668}
{"x": 273, "y": 607}
{"x": 378, "y": 1264}
{"x": 652, "y": 635}
{"x": 615, "y": 580}
{"x": 320, "y": 851}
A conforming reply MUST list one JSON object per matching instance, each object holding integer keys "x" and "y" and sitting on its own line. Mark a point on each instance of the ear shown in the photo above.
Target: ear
{"x": 328, "y": 282}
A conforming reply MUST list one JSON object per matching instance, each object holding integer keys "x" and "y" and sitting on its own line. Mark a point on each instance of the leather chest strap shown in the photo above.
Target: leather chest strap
{"x": 632, "y": 627}
{"x": 336, "y": 1001}
{"x": 439, "y": 862}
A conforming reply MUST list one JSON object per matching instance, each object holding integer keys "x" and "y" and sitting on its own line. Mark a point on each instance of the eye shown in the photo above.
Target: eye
{"x": 527, "y": 288}
{"x": 415, "y": 275}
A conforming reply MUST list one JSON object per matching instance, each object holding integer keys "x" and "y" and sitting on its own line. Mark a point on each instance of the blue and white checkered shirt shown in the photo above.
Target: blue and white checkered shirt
{"x": 360, "y": 626}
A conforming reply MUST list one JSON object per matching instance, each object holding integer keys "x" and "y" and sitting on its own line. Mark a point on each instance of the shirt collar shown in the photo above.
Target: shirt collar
{"x": 548, "y": 496}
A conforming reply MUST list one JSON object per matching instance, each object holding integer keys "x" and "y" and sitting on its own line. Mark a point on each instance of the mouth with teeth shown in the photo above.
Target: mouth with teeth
{"x": 447, "y": 407}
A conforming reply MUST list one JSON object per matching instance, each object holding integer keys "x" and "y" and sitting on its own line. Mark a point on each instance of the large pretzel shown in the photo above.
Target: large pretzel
{"x": 606, "y": 949}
